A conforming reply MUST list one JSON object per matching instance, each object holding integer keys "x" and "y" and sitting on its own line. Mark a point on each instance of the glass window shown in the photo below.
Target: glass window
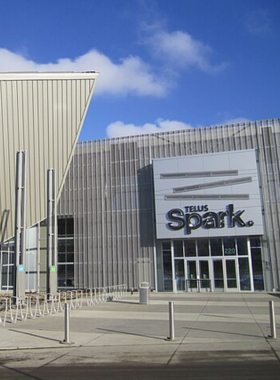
{"x": 167, "y": 270}
{"x": 70, "y": 226}
{"x": 70, "y": 257}
{"x": 218, "y": 274}
{"x": 65, "y": 276}
{"x": 61, "y": 258}
{"x": 10, "y": 272}
{"x": 180, "y": 274}
{"x": 4, "y": 258}
{"x": 31, "y": 237}
{"x": 216, "y": 247}
{"x": 255, "y": 242}
{"x": 166, "y": 245}
{"x": 61, "y": 245}
{"x": 203, "y": 247}
{"x": 61, "y": 228}
{"x": 244, "y": 274}
{"x": 242, "y": 247}
{"x": 257, "y": 268}
{"x": 229, "y": 247}
{"x": 178, "y": 248}
{"x": 190, "y": 248}
{"x": 69, "y": 243}
{"x": 4, "y": 277}
{"x": 231, "y": 274}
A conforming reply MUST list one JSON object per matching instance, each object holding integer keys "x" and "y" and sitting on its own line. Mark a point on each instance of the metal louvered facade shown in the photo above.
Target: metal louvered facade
{"x": 42, "y": 115}
{"x": 109, "y": 194}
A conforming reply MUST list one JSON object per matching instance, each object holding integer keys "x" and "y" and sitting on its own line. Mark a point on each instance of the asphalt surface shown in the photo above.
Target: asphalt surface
{"x": 217, "y": 336}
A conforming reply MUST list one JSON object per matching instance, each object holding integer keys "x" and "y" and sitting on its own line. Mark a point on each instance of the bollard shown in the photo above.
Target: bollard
{"x": 66, "y": 325}
{"x": 171, "y": 322}
{"x": 272, "y": 320}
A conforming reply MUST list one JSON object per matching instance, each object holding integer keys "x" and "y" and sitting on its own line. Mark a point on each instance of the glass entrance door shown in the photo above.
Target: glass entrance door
{"x": 225, "y": 276}
{"x": 198, "y": 275}
{"x": 204, "y": 275}
{"x": 191, "y": 279}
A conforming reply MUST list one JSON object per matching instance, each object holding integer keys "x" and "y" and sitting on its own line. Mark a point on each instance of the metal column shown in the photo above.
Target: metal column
{"x": 20, "y": 226}
{"x": 51, "y": 232}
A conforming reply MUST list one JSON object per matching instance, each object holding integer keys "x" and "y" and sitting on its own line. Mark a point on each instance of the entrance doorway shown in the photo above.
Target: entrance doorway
{"x": 220, "y": 264}
{"x": 198, "y": 275}
{"x": 225, "y": 275}
{"x": 212, "y": 275}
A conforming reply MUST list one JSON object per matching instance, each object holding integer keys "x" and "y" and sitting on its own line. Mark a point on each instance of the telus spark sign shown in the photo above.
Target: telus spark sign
{"x": 214, "y": 194}
{"x": 194, "y": 217}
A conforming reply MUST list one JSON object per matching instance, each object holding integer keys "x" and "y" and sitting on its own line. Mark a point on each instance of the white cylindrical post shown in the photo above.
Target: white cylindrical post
{"x": 272, "y": 320}
{"x": 171, "y": 321}
{"x": 66, "y": 324}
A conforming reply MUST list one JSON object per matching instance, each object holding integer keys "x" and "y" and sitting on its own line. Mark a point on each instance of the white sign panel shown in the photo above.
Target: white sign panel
{"x": 207, "y": 195}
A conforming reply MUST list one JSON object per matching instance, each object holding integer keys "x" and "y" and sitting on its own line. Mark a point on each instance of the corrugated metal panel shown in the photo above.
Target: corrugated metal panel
{"x": 42, "y": 114}
{"x": 110, "y": 193}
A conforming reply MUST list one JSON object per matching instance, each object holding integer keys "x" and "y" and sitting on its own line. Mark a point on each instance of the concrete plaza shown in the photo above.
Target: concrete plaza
{"x": 217, "y": 335}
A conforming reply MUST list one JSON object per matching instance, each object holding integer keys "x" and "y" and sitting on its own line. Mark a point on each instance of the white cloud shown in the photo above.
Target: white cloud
{"x": 130, "y": 75}
{"x": 181, "y": 50}
{"x": 237, "y": 120}
{"x": 119, "y": 128}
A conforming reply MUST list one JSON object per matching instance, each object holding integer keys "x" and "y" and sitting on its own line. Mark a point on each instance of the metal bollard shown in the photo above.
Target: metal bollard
{"x": 272, "y": 320}
{"x": 66, "y": 324}
{"x": 171, "y": 322}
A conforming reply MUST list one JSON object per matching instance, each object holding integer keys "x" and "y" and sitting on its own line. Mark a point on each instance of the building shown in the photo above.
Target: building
{"x": 41, "y": 116}
{"x": 189, "y": 210}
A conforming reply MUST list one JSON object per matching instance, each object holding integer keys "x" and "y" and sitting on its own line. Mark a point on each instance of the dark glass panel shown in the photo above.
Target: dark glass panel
{"x": 257, "y": 268}
{"x": 70, "y": 257}
{"x": 231, "y": 274}
{"x": 190, "y": 249}
{"x": 178, "y": 248}
{"x": 203, "y": 247}
{"x": 255, "y": 242}
{"x": 180, "y": 275}
{"x": 166, "y": 245}
{"x": 69, "y": 226}
{"x": 61, "y": 228}
{"x": 218, "y": 274}
{"x": 242, "y": 247}
{"x": 216, "y": 247}
{"x": 61, "y": 257}
{"x": 244, "y": 274}
{"x": 167, "y": 271}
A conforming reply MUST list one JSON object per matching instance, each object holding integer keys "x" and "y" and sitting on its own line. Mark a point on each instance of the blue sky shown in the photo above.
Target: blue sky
{"x": 163, "y": 64}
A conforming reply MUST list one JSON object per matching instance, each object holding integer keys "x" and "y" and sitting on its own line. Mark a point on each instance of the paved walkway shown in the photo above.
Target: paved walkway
{"x": 208, "y": 326}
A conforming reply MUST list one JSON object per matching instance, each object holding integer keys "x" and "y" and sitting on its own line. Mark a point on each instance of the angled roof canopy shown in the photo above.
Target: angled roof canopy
{"x": 41, "y": 114}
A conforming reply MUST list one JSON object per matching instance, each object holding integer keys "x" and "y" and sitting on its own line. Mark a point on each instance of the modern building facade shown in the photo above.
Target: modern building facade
{"x": 41, "y": 116}
{"x": 188, "y": 210}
